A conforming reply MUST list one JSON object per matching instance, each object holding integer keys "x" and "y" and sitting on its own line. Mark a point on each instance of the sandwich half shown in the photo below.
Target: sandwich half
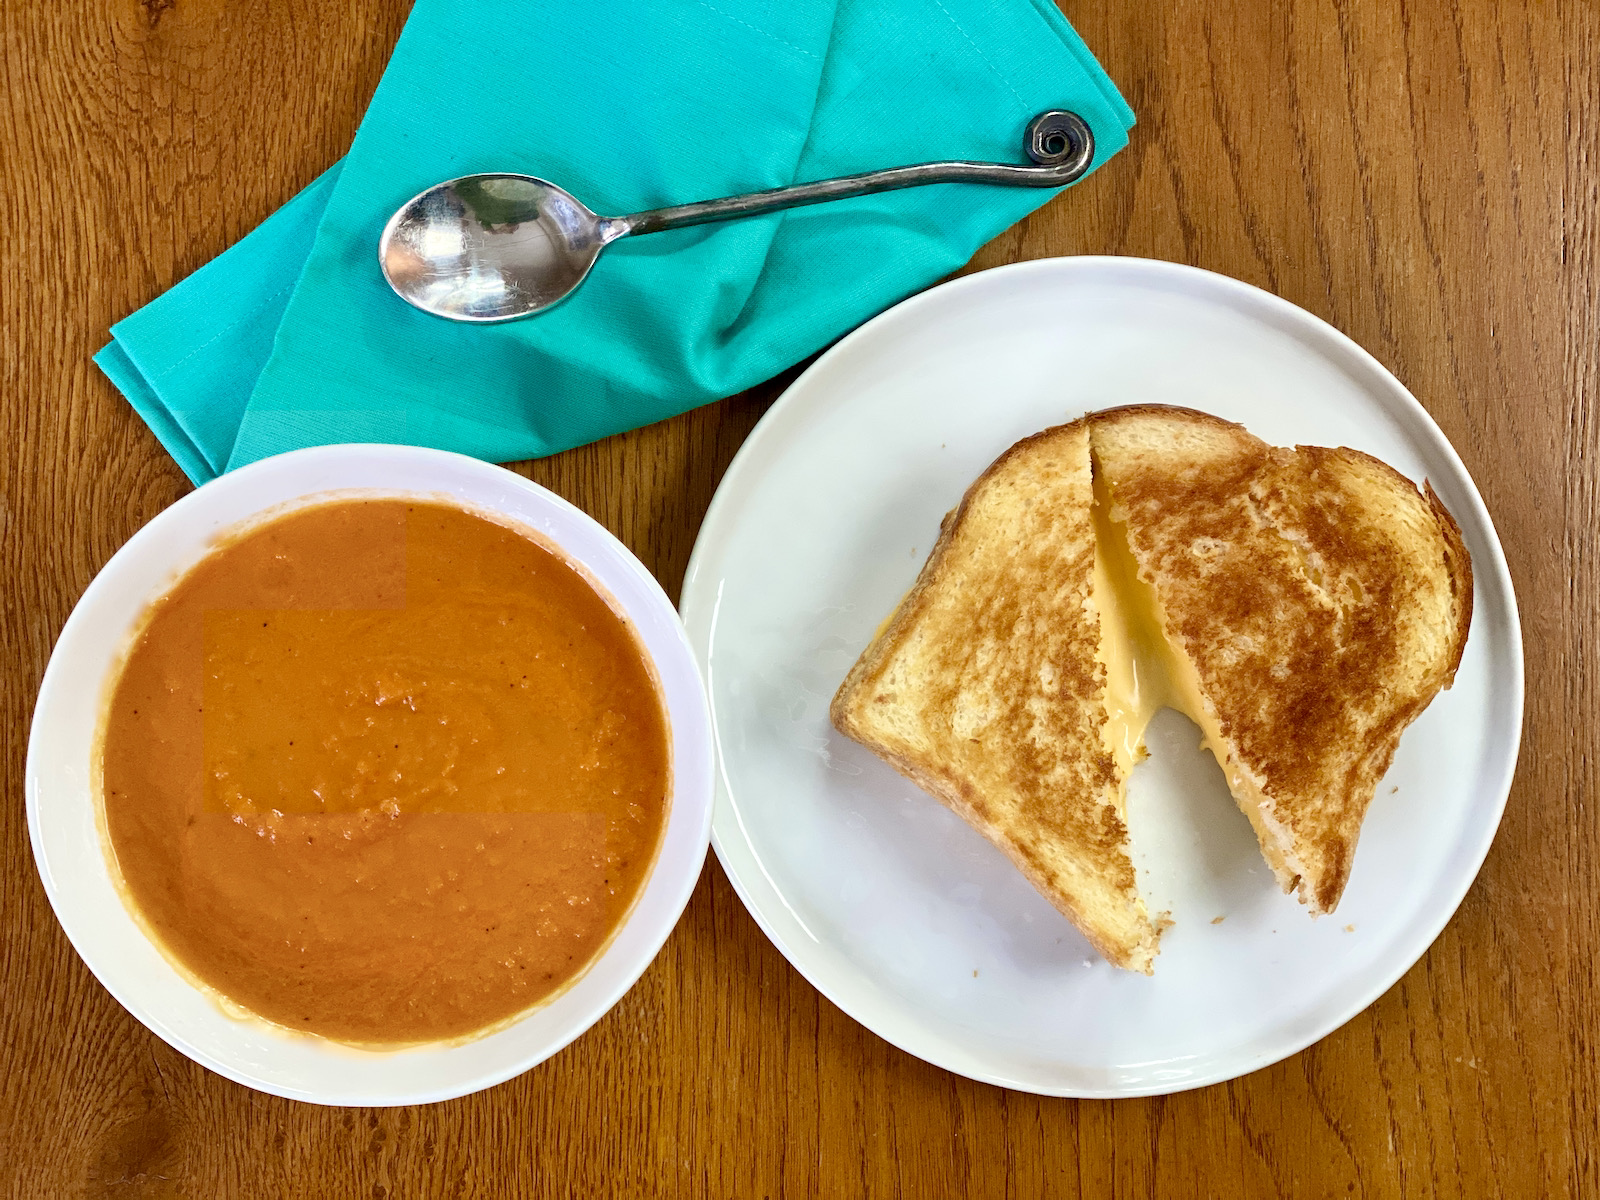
{"x": 986, "y": 688}
{"x": 1307, "y": 605}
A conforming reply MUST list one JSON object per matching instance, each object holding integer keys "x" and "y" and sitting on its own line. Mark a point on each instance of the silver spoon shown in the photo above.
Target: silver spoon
{"x": 491, "y": 248}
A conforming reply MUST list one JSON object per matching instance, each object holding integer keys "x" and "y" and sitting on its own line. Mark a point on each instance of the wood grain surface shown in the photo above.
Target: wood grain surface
{"x": 1421, "y": 173}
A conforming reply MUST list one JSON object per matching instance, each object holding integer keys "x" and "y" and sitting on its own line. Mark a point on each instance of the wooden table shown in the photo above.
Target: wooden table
{"x": 1423, "y": 175}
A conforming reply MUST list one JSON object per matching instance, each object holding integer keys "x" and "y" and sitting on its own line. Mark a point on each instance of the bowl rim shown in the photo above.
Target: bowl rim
{"x": 250, "y": 1050}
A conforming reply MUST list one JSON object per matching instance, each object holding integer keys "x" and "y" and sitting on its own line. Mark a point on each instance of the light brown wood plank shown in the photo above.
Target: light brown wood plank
{"x": 1422, "y": 175}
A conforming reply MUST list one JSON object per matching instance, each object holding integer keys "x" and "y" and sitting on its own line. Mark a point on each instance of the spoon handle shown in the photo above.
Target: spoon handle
{"x": 1059, "y": 143}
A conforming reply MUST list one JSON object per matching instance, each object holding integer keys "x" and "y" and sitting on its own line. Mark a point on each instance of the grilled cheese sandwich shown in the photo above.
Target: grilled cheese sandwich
{"x": 1155, "y": 557}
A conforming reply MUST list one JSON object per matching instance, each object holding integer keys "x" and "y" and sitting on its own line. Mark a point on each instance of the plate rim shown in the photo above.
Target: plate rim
{"x": 699, "y": 615}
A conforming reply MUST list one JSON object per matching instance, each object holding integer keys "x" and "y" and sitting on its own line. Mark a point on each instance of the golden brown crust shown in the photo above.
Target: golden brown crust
{"x": 1458, "y": 563}
{"x": 912, "y": 605}
{"x": 984, "y": 689}
{"x": 1322, "y": 600}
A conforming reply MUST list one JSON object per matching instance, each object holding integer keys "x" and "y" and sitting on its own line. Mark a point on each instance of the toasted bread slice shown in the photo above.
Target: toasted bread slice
{"x": 1313, "y": 603}
{"x": 985, "y": 688}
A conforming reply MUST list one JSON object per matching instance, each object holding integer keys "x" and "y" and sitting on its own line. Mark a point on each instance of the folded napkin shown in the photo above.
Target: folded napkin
{"x": 292, "y": 338}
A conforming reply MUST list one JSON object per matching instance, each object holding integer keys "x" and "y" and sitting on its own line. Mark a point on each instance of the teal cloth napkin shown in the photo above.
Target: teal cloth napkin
{"x": 291, "y": 338}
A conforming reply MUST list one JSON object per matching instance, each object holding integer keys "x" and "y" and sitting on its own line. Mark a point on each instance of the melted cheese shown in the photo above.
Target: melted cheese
{"x": 1132, "y": 648}
{"x": 1130, "y": 684}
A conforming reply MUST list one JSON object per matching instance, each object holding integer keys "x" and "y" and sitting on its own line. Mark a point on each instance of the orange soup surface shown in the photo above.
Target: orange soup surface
{"x": 385, "y": 771}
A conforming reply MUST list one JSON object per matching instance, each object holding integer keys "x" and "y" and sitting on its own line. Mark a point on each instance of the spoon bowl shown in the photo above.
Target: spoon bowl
{"x": 490, "y": 248}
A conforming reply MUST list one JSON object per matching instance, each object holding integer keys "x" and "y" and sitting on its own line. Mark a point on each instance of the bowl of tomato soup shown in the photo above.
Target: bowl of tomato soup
{"x": 370, "y": 774}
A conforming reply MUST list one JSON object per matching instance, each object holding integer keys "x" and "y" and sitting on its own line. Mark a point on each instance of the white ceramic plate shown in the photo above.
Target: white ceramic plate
{"x": 888, "y": 903}
{"x": 62, "y": 806}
